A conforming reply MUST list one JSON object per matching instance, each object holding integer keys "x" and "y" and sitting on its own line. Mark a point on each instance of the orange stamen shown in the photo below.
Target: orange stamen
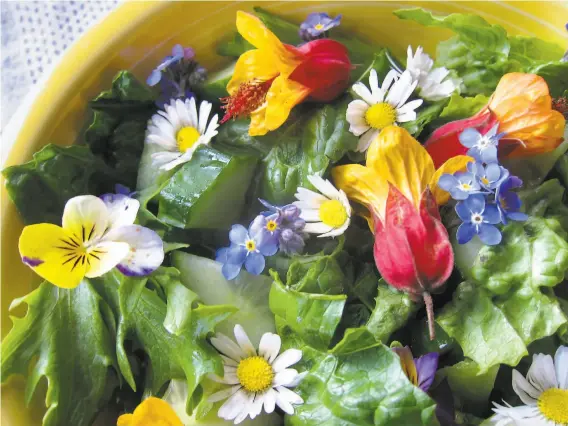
{"x": 248, "y": 97}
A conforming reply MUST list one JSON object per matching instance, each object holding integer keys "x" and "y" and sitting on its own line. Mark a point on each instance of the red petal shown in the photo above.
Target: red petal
{"x": 444, "y": 142}
{"x": 412, "y": 249}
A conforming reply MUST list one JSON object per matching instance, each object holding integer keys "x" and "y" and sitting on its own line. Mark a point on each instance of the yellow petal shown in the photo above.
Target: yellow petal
{"x": 85, "y": 217}
{"x": 363, "y": 186}
{"x": 453, "y": 165}
{"x": 283, "y": 95}
{"x": 407, "y": 364}
{"x": 151, "y": 412}
{"x": 400, "y": 159}
{"x": 53, "y": 254}
{"x": 104, "y": 256}
{"x": 252, "y": 65}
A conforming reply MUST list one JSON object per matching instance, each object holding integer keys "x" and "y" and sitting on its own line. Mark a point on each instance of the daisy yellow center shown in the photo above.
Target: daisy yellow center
{"x": 333, "y": 213}
{"x": 271, "y": 225}
{"x": 380, "y": 115}
{"x": 255, "y": 374}
{"x": 319, "y": 27}
{"x": 553, "y": 404}
{"x": 250, "y": 245}
{"x": 186, "y": 138}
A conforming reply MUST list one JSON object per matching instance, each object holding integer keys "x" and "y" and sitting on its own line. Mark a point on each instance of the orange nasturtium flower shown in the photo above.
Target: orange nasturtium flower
{"x": 273, "y": 78}
{"x": 151, "y": 412}
{"x": 399, "y": 187}
{"x": 522, "y": 106}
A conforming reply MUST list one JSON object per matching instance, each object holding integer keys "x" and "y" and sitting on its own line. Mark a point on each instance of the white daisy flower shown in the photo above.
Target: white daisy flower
{"x": 544, "y": 391}
{"x": 256, "y": 380}
{"x": 382, "y": 106}
{"x": 327, "y": 213}
{"x": 179, "y": 130}
{"x": 433, "y": 84}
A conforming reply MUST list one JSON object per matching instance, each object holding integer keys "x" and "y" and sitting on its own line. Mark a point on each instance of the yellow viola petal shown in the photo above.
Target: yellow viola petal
{"x": 363, "y": 186}
{"x": 53, "y": 254}
{"x": 453, "y": 165}
{"x": 407, "y": 364}
{"x": 254, "y": 65}
{"x": 400, "y": 159}
{"x": 85, "y": 217}
{"x": 283, "y": 95}
{"x": 151, "y": 412}
{"x": 104, "y": 256}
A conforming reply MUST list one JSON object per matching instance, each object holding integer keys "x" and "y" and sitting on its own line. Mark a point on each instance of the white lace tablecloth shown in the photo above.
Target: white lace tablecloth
{"x": 34, "y": 36}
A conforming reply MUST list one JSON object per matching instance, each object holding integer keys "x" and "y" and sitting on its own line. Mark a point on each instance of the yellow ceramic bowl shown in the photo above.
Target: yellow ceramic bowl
{"x": 138, "y": 34}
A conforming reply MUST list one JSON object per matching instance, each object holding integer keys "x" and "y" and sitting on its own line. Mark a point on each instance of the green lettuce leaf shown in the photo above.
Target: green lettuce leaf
{"x": 311, "y": 140}
{"x": 425, "y": 115}
{"x": 117, "y": 131}
{"x": 206, "y": 192}
{"x": 461, "y": 107}
{"x": 363, "y": 388}
{"x": 508, "y": 301}
{"x": 481, "y": 52}
{"x": 41, "y": 187}
{"x": 66, "y": 336}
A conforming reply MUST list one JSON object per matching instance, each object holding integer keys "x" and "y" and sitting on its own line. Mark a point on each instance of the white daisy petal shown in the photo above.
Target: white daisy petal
{"x": 324, "y": 186}
{"x": 256, "y": 406}
{"x": 363, "y": 92}
{"x": 269, "y": 400}
{"x": 166, "y": 143}
{"x": 317, "y": 228}
{"x": 309, "y": 196}
{"x": 561, "y": 364}
{"x": 297, "y": 380}
{"x": 182, "y": 109}
{"x": 291, "y": 397}
{"x": 358, "y": 130}
{"x": 390, "y": 78}
{"x": 233, "y": 406}
{"x": 226, "y": 346}
{"x": 406, "y": 117}
{"x": 410, "y": 106}
{"x": 269, "y": 346}
{"x": 366, "y": 139}
{"x": 284, "y": 404}
{"x": 161, "y": 159}
{"x": 374, "y": 82}
{"x": 284, "y": 377}
{"x": 527, "y": 392}
{"x": 542, "y": 374}
{"x": 244, "y": 341}
{"x": 286, "y": 359}
{"x": 204, "y": 111}
{"x": 223, "y": 394}
{"x": 337, "y": 231}
{"x": 310, "y": 215}
{"x": 229, "y": 361}
{"x": 523, "y": 412}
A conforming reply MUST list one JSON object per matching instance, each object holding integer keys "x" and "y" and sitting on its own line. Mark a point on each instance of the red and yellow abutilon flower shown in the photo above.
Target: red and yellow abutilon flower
{"x": 273, "y": 78}
{"x": 523, "y": 108}
{"x": 399, "y": 188}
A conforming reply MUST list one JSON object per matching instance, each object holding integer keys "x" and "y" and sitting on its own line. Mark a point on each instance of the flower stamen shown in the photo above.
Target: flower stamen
{"x": 186, "y": 138}
{"x": 248, "y": 97}
{"x": 553, "y": 404}
{"x": 333, "y": 213}
{"x": 380, "y": 115}
{"x": 255, "y": 374}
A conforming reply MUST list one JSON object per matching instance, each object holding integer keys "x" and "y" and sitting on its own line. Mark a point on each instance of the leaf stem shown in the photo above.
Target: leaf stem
{"x": 430, "y": 312}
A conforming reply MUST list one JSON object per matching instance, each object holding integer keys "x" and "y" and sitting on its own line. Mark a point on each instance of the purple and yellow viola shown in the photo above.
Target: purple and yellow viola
{"x": 420, "y": 371}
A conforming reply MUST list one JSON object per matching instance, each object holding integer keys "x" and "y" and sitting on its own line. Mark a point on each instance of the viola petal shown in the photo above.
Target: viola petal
{"x": 407, "y": 363}
{"x": 104, "y": 256}
{"x": 85, "y": 217}
{"x": 122, "y": 209}
{"x": 399, "y": 159}
{"x": 453, "y": 165}
{"x": 426, "y": 367}
{"x": 50, "y": 251}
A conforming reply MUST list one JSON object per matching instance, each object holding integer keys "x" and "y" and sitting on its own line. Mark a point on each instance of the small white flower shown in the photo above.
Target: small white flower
{"x": 544, "y": 392}
{"x": 179, "y": 130}
{"x": 256, "y": 380}
{"x": 327, "y": 213}
{"x": 433, "y": 84}
{"x": 382, "y": 106}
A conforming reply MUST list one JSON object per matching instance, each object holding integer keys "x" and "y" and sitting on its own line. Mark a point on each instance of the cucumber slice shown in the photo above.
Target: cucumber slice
{"x": 247, "y": 292}
{"x": 206, "y": 192}
{"x": 149, "y": 175}
{"x": 215, "y": 86}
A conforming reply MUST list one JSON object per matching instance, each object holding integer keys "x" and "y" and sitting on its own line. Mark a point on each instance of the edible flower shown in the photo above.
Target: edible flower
{"x": 460, "y": 185}
{"x": 178, "y": 53}
{"x": 381, "y": 106}
{"x": 420, "y": 371}
{"x": 399, "y": 187}
{"x": 508, "y": 202}
{"x": 247, "y": 248}
{"x": 316, "y": 25}
{"x": 96, "y": 235}
{"x": 482, "y": 148}
{"x": 179, "y": 130}
{"x": 151, "y": 411}
{"x": 433, "y": 84}
{"x": 289, "y": 224}
{"x": 479, "y": 218}
{"x": 521, "y": 107}
{"x": 273, "y": 78}
{"x": 544, "y": 392}
{"x": 489, "y": 176}
{"x": 327, "y": 212}
{"x": 255, "y": 380}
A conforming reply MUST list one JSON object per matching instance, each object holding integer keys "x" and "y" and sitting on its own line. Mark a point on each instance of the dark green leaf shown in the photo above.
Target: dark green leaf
{"x": 66, "y": 336}
{"x": 425, "y": 115}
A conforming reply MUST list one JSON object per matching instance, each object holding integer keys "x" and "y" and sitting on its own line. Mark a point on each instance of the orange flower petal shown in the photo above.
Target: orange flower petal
{"x": 151, "y": 411}
{"x": 399, "y": 159}
{"x": 453, "y": 165}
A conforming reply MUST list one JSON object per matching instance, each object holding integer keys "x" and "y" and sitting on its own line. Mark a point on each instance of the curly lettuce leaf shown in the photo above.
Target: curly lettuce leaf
{"x": 117, "y": 131}
{"x": 462, "y": 107}
{"x": 481, "y": 52}
{"x": 508, "y": 301}
{"x": 363, "y": 388}
{"x": 310, "y": 141}
{"x": 41, "y": 187}
{"x": 66, "y": 336}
